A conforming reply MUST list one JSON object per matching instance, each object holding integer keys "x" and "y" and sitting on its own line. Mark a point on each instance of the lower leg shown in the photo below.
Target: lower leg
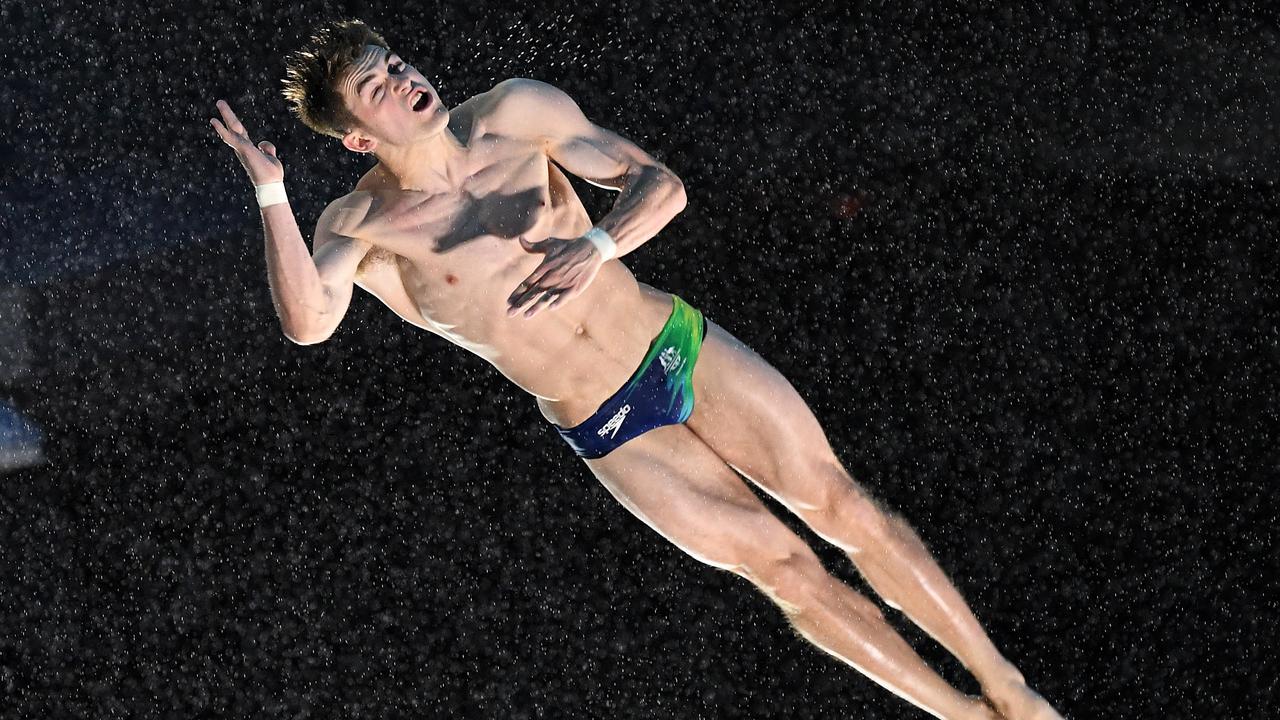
{"x": 898, "y": 566}
{"x": 845, "y": 624}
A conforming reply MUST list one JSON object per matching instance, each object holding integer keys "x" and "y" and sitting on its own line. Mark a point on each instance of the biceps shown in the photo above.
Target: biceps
{"x": 581, "y": 147}
{"x": 600, "y": 157}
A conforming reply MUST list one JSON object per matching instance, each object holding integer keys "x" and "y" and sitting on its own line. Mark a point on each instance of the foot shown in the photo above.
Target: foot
{"x": 1016, "y": 701}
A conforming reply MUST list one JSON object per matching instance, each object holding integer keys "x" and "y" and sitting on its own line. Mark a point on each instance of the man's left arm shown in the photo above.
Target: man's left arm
{"x": 650, "y": 193}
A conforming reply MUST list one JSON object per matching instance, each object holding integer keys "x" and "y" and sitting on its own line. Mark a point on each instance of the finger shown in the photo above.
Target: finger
{"x": 540, "y": 303}
{"x": 573, "y": 292}
{"x": 573, "y": 288}
{"x": 535, "y": 246}
{"x": 527, "y": 302}
{"x": 227, "y": 136}
{"x": 267, "y": 148}
{"x": 530, "y": 285}
{"x": 239, "y": 143}
{"x": 219, "y": 128}
{"x": 521, "y": 299}
{"x": 229, "y": 117}
{"x": 514, "y": 300}
{"x": 541, "y": 274}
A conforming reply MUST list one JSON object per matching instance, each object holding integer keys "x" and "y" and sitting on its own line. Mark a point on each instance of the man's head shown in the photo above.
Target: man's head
{"x": 347, "y": 83}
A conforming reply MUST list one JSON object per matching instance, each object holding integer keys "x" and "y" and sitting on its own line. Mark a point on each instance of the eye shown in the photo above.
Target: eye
{"x": 395, "y": 70}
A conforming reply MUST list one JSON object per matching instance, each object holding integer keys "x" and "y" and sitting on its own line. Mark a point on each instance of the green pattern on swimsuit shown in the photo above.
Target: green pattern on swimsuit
{"x": 676, "y": 347}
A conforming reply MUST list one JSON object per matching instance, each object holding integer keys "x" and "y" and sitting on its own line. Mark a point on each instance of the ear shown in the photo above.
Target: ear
{"x": 356, "y": 141}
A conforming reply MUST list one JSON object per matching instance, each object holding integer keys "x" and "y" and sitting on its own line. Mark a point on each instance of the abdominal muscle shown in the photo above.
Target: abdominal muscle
{"x": 570, "y": 358}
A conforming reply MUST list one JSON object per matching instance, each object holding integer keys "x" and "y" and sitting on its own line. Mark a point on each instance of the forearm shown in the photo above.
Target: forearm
{"x": 299, "y": 296}
{"x": 650, "y": 197}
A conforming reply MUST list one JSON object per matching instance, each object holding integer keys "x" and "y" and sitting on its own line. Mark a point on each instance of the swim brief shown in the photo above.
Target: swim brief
{"x": 660, "y": 392}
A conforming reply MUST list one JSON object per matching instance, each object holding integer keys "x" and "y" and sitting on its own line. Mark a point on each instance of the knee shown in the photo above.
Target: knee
{"x": 793, "y": 578}
{"x": 847, "y": 514}
{"x": 797, "y": 582}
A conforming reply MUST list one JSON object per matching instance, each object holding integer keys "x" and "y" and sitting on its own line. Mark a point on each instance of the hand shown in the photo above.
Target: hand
{"x": 567, "y": 270}
{"x": 258, "y": 160}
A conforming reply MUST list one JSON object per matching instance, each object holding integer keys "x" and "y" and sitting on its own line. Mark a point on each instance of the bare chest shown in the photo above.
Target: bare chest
{"x": 516, "y": 194}
{"x": 456, "y": 254}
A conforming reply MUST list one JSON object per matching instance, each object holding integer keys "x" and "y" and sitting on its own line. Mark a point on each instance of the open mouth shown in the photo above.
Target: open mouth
{"x": 422, "y": 102}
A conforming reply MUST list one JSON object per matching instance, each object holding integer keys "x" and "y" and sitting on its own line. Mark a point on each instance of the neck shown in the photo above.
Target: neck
{"x": 430, "y": 164}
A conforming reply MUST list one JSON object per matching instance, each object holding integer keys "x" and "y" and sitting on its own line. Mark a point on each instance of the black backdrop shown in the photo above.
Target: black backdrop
{"x": 1021, "y": 263}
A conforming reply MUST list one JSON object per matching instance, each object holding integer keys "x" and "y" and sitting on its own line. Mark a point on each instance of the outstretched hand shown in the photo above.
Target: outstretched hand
{"x": 259, "y": 160}
{"x": 568, "y": 268}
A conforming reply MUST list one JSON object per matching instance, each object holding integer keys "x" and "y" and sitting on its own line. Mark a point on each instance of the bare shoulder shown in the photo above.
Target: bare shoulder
{"x": 347, "y": 221}
{"x": 344, "y": 217}
{"x": 350, "y": 220}
{"x": 524, "y": 104}
{"x": 525, "y": 93}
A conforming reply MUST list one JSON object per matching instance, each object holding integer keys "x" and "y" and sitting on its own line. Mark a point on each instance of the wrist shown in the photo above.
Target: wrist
{"x": 603, "y": 242}
{"x": 270, "y": 193}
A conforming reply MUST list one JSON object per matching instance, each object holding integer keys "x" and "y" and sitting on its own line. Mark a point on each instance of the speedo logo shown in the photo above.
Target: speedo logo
{"x": 611, "y": 428}
{"x": 671, "y": 360}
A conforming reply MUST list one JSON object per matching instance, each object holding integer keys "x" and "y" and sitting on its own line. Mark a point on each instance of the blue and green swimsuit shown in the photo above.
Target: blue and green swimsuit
{"x": 660, "y": 392}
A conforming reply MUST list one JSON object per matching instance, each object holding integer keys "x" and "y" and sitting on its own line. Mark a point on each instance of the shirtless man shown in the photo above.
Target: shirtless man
{"x": 467, "y": 229}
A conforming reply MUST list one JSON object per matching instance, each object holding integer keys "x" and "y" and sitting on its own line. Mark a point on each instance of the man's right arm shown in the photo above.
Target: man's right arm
{"x": 311, "y": 293}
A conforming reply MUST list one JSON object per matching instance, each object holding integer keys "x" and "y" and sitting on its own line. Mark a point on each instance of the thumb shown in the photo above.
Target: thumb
{"x": 535, "y": 246}
{"x": 267, "y": 148}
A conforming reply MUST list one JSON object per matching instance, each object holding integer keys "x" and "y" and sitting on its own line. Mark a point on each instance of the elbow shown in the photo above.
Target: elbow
{"x": 306, "y": 335}
{"x": 306, "y": 339}
{"x": 678, "y": 198}
{"x": 303, "y": 326}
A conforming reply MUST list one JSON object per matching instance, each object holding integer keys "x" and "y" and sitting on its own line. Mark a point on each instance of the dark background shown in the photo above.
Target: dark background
{"x": 1022, "y": 263}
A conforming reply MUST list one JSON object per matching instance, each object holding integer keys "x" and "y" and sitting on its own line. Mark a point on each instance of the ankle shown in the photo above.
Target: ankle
{"x": 1000, "y": 673}
{"x": 979, "y": 709}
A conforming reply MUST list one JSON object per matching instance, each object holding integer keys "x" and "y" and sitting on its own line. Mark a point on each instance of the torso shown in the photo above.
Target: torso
{"x": 458, "y": 258}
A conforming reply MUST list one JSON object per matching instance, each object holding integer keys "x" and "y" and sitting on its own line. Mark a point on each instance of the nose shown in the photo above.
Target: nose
{"x": 403, "y": 84}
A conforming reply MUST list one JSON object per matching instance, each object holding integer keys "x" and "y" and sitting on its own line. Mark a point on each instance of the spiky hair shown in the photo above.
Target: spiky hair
{"x": 312, "y": 72}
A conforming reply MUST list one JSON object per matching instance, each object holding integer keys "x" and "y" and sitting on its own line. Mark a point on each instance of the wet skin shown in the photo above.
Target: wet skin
{"x": 467, "y": 228}
{"x": 453, "y": 256}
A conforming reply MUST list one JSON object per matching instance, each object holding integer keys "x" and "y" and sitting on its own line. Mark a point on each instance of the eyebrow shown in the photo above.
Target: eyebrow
{"x": 386, "y": 59}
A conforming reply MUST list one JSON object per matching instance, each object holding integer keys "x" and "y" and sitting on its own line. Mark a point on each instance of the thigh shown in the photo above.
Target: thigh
{"x": 750, "y": 415}
{"x": 679, "y": 487}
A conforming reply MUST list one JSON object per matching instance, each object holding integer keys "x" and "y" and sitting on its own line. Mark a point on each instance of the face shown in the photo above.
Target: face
{"x": 393, "y": 103}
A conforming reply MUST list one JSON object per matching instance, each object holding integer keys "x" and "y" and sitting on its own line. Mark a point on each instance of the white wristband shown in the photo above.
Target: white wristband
{"x": 271, "y": 193}
{"x": 605, "y": 244}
